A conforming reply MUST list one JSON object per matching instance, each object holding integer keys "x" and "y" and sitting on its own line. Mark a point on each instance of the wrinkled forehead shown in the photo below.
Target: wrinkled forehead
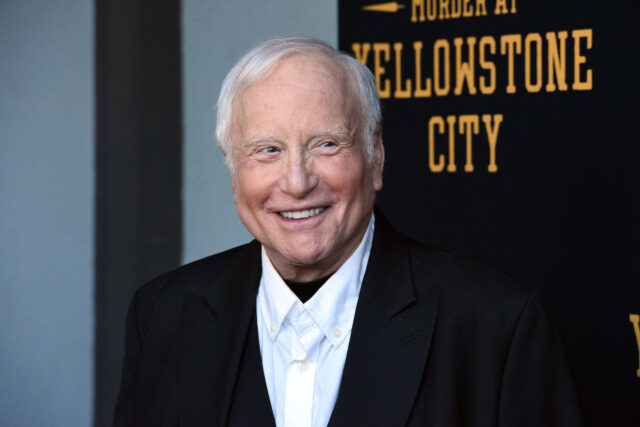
{"x": 318, "y": 71}
{"x": 315, "y": 72}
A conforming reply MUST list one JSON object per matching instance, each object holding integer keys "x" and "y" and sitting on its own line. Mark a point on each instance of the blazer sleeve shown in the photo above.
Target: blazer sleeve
{"x": 538, "y": 388}
{"x": 133, "y": 347}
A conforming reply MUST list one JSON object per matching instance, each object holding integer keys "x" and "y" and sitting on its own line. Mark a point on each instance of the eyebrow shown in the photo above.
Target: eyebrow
{"x": 340, "y": 135}
{"x": 257, "y": 139}
{"x": 327, "y": 133}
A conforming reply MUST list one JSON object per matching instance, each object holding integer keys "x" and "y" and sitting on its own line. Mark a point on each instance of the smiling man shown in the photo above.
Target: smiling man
{"x": 330, "y": 317}
{"x": 304, "y": 182}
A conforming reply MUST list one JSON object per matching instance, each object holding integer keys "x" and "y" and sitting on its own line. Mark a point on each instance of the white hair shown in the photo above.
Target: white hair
{"x": 264, "y": 58}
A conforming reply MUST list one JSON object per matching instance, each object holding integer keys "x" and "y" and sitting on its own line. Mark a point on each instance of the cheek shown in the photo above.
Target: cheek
{"x": 243, "y": 194}
{"x": 241, "y": 189}
{"x": 347, "y": 178}
{"x": 252, "y": 188}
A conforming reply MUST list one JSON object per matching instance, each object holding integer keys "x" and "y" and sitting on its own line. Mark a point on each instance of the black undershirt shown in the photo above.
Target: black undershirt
{"x": 305, "y": 290}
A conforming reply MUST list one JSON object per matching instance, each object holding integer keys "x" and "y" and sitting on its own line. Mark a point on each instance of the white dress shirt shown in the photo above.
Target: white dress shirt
{"x": 304, "y": 346}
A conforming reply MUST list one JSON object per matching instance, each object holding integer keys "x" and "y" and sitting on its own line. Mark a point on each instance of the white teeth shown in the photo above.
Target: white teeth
{"x": 301, "y": 214}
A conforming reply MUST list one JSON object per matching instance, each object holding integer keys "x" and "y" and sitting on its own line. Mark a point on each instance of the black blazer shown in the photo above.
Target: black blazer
{"x": 437, "y": 340}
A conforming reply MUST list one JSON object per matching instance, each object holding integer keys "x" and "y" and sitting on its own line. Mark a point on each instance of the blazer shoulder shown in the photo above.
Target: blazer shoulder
{"x": 454, "y": 280}
{"x": 464, "y": 280}
{"x": 475, "y": 296}
{"x": 164, "y": 294}
{"x": 196, "y": 276}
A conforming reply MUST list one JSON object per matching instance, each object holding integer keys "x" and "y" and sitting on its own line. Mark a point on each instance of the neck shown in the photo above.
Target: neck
{"x": 298, "y": 272}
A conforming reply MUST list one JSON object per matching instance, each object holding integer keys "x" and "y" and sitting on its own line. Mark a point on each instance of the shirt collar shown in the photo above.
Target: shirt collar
{"x": 332, "y": 307}
{"x": 274, "y": 297}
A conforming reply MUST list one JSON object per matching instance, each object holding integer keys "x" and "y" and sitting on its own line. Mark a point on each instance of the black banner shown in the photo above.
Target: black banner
{"x": 510, "y": 129}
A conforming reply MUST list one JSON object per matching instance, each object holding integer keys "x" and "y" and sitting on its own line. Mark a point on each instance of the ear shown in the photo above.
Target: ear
{"x": 234, "y": 179}
{"x": 234, "y": 182}
{"x": 229, "y": 164}
{"x": 378, "y": 160}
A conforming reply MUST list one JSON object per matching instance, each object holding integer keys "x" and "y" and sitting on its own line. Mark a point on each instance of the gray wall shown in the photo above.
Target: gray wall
{"x": 215, "y": 35}
{"x": 46, "y": 212}
{"x": 47, "y": 181}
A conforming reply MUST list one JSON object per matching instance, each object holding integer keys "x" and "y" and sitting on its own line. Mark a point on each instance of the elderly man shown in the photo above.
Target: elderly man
{"x": 330, "y": 317}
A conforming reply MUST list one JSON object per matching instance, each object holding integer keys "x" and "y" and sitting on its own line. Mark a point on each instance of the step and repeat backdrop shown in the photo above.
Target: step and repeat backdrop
{"x": 512, "y": 134}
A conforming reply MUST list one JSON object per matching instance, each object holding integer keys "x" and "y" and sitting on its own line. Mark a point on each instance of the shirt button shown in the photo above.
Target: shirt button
{"x": 272, "y": 327}
{"x": 302, "y": 365}
{"x": 337, "y": 332}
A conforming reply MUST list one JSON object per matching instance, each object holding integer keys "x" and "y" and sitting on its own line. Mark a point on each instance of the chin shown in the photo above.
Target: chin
{"x": 306, "y": 259}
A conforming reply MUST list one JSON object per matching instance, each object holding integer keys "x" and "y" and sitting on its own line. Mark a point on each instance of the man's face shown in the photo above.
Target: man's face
{"x": 302, "y": 183}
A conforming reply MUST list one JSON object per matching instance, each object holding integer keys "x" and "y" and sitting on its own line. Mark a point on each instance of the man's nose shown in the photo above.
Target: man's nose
{"x": 298, "y": 178}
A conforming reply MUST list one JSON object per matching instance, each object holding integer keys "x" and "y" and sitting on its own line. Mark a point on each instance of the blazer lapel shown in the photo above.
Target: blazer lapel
{"x": 214, "y": 334}
{"x": 390, "y": 339}
{"x": 251, "y": 405}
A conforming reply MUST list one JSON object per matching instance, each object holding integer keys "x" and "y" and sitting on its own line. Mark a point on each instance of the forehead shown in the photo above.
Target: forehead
{"x": 314, "y": 71}
{"x": 297, "y": 85}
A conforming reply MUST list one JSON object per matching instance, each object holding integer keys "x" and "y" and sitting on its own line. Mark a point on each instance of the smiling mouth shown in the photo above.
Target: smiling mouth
{"x": 308, "y": 213}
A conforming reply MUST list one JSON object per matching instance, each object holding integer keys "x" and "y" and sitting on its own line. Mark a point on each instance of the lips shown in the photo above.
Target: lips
{"x": 307, "y": 213}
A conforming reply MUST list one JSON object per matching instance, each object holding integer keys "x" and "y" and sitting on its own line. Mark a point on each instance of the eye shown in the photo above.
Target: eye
{"x": 270, "y": 150}
{"x": 326, "y": 147}
{"x": 266, "y": 153}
